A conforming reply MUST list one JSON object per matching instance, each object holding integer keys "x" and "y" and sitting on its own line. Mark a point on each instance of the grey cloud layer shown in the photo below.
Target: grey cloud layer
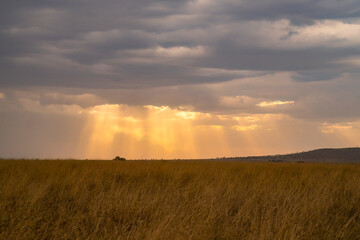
{"x": 184, "y": 53}
{"x": 141, "y": 44}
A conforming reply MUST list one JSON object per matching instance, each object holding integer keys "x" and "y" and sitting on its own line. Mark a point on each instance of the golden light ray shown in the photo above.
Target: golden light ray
{"x": 213, "y": 141}
{"x": 105, "y": 123}
{"x": 170, "y": 131}
{"x": 348, "y": 132}
{"x": 162, "y": 132}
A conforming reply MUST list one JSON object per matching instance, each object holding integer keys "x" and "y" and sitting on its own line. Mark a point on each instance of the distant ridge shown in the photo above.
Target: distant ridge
{"x": 330, "y": 155}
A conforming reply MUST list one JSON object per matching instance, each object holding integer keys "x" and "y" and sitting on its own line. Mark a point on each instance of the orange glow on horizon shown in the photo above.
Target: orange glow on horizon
{"x": 161, "y": 132}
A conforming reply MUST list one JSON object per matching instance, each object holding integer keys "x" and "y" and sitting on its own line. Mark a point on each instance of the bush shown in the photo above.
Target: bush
{"x": 117, "y": 158}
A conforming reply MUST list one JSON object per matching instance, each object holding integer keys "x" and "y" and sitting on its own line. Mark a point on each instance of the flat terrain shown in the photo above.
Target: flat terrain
{"x": 178, "y": 200}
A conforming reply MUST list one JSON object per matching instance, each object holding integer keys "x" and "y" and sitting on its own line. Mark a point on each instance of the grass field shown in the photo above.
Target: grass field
{"x": 178, "y": 200}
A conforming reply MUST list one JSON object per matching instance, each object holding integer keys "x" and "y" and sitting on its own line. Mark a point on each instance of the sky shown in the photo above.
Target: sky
{"x": 177, "y": 79}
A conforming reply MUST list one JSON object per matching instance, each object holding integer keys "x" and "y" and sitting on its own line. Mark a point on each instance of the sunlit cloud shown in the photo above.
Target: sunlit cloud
{"x": 328, "y": 128}
{"x": 180, "y": 51}
{"x": 2, "y": 96}
{"x": 159, "y": 54}
{"x": 274, "y": 103}
{"x": 352, "y": 61}
{"x": 171, "y": 52}
{"x": 225, "y": 72}
{"x": 186, "y": 115}
{"x": 215, "y": 127}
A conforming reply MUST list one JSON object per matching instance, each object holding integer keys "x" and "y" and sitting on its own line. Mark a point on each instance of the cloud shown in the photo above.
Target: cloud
{"x": 274, "y": 103}
{"x": 168, "y": 43}
{"x": 331, "y": 128}
{"x": 352, "y": 61}
{"x": 245, "y": 128}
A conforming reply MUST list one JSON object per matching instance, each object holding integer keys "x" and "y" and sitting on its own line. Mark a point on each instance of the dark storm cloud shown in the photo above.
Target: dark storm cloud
{"x": 317, "y": 75}
{"x": 93, "y": 44}
{"x": 298, "y": 11}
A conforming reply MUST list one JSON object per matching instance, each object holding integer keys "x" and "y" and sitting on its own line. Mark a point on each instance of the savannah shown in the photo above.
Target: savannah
{"x": 178, "y": 200}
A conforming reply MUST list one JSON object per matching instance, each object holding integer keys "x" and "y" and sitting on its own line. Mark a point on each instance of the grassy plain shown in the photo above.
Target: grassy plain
{"x": 178, "y": 200}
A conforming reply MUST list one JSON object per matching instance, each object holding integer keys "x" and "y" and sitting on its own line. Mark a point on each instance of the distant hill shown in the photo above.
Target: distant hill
{"x": 329, "y": 155}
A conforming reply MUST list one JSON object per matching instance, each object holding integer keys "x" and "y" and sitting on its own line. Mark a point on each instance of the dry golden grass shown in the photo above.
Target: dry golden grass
{"x": 178, "y": 200}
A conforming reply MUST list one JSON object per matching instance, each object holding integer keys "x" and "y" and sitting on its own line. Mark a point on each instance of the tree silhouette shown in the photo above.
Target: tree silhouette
{"x": 117, "y": 158}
